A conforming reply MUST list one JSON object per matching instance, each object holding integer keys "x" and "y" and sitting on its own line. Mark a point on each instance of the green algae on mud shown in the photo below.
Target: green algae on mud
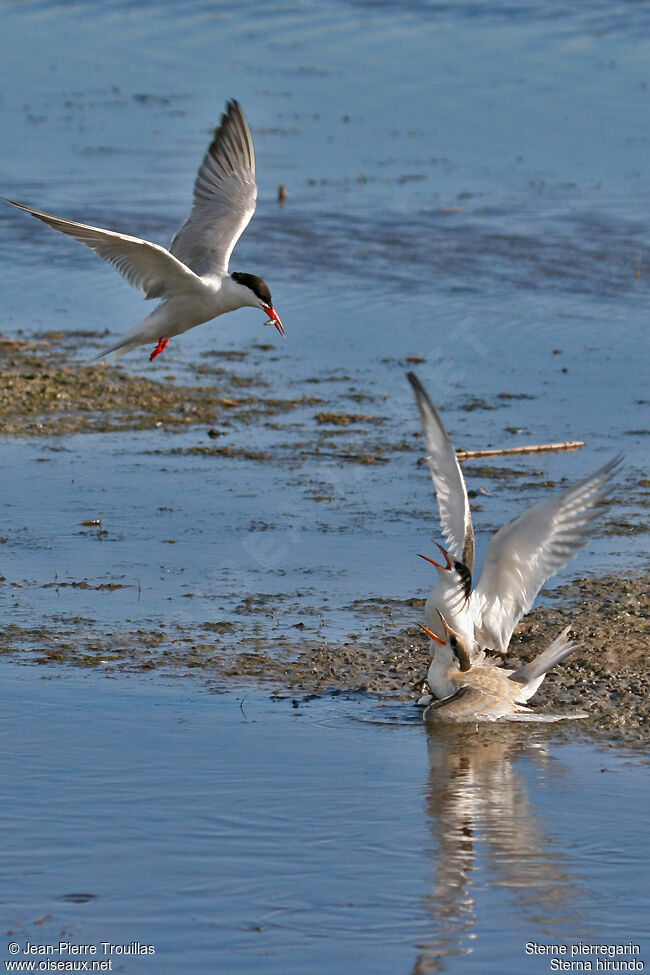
{"x": 44, "y": 392}
{"x": 608, "y": 676}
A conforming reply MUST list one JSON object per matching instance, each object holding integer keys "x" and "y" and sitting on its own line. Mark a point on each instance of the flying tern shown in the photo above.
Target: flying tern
{"x": 483, "y": 691}
{"x": 520, "y": 558}
{"x": 192, "y": 276}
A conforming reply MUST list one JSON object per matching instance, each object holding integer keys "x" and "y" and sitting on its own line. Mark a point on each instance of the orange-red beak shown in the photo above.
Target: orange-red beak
{"x": 437, "y": 564}
{"x": 274, "y": 318}
{"x": 431, "y": 634}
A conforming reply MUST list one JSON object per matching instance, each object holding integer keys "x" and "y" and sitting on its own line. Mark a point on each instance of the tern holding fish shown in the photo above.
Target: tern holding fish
{"x": 520, "y": 558}
{"x": 192, "y": 276}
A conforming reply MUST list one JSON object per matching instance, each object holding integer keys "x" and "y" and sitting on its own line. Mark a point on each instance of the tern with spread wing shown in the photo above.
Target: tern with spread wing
{"x": 520, "y": 558}
{"x": 484, "y": 691}
{"x": 192, "y": 276}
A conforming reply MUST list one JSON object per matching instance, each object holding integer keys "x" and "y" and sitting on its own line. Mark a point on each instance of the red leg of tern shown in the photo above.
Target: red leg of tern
{"x": 162, "y": 345}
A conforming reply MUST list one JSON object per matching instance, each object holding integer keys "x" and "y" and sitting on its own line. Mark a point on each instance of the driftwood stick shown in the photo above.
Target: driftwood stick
{"x": 536, "y": 448}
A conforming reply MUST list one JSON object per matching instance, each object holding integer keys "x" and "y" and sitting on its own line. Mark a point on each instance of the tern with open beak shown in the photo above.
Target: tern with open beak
{"x": 520, "y": 558}
{"x": 485, "y": 691}
{"x": 192, "y": 276}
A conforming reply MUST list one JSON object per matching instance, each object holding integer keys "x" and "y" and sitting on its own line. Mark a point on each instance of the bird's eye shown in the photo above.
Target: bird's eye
{"x": 453, "y": 642}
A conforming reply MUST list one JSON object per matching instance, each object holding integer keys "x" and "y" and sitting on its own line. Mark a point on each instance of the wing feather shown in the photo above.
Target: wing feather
{"x": 146, "y": 266}
{"x": 554, "y": 654}
{"x": 225, "y": 194}
{"x": 530, "y": 549}
{"x": 469, "y": 703}
{"x": 447, "y": 477}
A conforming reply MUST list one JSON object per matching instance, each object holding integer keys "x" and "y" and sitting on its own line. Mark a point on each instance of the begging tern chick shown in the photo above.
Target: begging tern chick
{"x": 484, "y": 691}
{"x": 192, "y": 276}
{"x": 520, "y": 558}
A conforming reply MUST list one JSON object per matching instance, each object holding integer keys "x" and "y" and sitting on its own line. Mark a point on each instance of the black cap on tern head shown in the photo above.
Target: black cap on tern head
{"x": 261, "y": 291}
{"x": 257, "y": 286}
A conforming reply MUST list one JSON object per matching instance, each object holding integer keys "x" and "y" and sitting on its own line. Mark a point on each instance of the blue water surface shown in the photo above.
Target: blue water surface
{"x": 467, "y": 184}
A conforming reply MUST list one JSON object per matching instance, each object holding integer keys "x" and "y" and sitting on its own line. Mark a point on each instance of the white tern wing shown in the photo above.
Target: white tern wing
{"x": 144, "y": 265}
{"x": 448, "y": 480}
{"x": 225, "y": 193}
{"x": 527, "y": 551}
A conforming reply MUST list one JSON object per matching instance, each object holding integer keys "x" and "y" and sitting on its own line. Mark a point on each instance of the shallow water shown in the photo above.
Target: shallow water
{"x": 240, "y": 832}
{"x": 467, "y": 183}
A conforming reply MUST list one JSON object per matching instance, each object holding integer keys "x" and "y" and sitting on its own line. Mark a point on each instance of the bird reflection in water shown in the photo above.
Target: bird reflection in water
{"x": 486, "y": 832}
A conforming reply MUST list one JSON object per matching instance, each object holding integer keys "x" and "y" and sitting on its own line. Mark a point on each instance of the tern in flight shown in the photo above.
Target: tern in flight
{"x": 192, "y": 276}
{"x": 520, "y": 558}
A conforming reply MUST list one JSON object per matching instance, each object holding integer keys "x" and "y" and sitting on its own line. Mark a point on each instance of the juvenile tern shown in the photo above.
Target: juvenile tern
{"x": 520, "y": 558}
{"x": 192, "y": 276}
{"x": 482, "y": 690}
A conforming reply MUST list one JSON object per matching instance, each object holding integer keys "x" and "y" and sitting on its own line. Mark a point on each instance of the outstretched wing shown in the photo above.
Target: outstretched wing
{"x": 225, "y": 193}
{"x": 527, "y": 551}
{"x": 448, "y": 480}
{"x": 144, "y": 265}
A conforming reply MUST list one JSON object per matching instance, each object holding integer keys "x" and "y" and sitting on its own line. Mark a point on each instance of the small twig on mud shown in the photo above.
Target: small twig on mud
{"x": 532, "y": 449}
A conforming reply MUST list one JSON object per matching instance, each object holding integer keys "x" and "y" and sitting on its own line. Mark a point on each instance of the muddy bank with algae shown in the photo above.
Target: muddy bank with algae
{"x": 44, "y": 392}
{"x": 609, "y": 676}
